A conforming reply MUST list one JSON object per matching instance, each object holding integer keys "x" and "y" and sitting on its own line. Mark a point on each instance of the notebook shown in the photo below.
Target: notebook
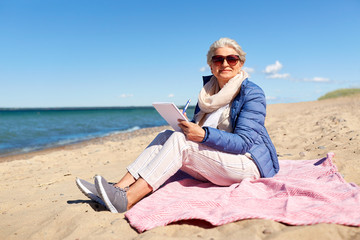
{"x": 171, "y": 113}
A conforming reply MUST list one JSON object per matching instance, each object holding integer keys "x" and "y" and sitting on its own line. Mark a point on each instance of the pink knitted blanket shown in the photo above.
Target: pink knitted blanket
{"x": 304, "y": 192}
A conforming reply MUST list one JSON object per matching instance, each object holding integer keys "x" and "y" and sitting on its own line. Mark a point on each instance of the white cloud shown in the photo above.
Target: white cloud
{"x": 320, "y": 79}
{"x": 270, "y": 98}
{"x": 272, "y": 71}
{"x": 124, "y": 95}
{"x": 248, "y": 70}
{"x": 273, "y": 68}
{"x": 204, "y": 69}
{"x": 279, "y": 75}
{"x": 317, "y": 79}
{"x": 171, "y": 95}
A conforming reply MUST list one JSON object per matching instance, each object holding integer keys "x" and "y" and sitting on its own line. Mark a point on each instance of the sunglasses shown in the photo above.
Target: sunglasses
{"x": 232, "y": 60}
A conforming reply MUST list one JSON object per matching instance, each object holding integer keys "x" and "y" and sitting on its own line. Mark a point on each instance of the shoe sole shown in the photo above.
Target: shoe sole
{"x": 104, "y": 196}
{"x": 88, "y": 193}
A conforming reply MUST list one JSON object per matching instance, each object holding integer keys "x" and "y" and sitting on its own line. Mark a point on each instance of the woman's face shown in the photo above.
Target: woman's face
{"x": 224, "y": 72}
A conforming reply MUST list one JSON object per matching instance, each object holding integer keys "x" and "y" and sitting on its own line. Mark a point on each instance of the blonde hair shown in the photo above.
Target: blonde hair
{"x": 225, "y": 42}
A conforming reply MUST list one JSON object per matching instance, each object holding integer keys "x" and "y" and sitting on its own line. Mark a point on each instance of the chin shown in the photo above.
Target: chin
{"x": 227, "y": 77}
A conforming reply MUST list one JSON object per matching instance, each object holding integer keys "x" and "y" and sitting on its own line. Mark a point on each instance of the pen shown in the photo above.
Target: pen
{"x": 186, "y": 106}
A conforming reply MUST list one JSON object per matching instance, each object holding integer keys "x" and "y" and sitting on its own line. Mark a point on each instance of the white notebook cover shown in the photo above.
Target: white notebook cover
{"x": 171, "y": 113}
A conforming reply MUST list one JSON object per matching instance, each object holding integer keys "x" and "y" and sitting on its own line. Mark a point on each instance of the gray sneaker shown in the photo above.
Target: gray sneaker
{"x": 114, "y": 198}
{"x": 89, "y": 190}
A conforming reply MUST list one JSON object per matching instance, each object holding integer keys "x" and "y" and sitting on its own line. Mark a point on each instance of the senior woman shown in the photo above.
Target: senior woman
{"x": 224, "y": 143}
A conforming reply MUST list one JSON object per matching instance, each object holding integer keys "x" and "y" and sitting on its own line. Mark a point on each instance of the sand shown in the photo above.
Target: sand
{"x": 39, "y": 198}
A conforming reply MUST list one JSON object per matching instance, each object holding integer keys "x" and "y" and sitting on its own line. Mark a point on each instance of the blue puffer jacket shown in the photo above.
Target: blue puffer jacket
{"x": 249, "y": 134}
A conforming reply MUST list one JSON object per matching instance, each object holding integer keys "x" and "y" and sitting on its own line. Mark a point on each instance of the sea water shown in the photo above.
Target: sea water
{"x": 26, "y": 130}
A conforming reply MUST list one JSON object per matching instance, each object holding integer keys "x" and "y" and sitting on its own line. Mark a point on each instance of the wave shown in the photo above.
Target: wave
{"x": 62, "y": 142}
{"x": 23, "y": 131}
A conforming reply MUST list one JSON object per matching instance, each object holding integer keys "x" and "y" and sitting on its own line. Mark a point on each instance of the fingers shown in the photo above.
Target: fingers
{"x": 192, "y": 131}
{"x": 181, "y": 121}
{"x": 183, "y": 126}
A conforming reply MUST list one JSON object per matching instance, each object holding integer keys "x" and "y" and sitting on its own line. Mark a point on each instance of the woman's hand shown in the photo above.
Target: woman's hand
{"x": 192, "y": 131}
{"x": 181, "y": 110}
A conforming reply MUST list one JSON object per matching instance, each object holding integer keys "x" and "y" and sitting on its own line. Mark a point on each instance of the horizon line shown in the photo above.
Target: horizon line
{"x": 75, "y": 108}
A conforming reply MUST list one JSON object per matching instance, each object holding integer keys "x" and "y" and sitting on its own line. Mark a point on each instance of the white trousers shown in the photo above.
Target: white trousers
{"x": 170, "y": 152}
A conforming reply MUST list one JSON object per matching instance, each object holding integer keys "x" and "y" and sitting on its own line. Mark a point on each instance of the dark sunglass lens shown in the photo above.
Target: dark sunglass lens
{"x": 218, "y": 59}
{"x": 232, "y": 59}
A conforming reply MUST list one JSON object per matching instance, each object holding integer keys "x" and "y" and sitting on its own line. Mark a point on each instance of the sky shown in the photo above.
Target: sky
{"x": 66, "y": 53}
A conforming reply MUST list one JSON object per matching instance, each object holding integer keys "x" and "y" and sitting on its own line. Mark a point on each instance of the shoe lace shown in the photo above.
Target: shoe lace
{"x": 122, "y": 190}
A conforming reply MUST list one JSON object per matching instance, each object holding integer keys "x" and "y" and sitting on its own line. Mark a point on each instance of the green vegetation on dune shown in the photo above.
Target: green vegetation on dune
{"x": 340, "y": 93}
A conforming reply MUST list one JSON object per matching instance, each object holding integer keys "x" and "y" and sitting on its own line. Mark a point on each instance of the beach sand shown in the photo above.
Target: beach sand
{"x": 39, "y": 198}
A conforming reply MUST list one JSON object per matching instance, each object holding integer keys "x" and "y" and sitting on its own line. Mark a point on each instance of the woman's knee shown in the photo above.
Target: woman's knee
{"x": 166, "y": 133}
{"x": 178, "y": 136}
{"x": 163, "y": 136}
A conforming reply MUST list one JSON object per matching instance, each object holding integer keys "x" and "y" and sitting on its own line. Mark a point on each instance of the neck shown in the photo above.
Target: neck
{"x": 222, "y": 83}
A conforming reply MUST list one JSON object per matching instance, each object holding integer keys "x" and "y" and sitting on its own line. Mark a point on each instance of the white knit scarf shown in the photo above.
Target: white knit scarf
{"x": 211, "y": 98}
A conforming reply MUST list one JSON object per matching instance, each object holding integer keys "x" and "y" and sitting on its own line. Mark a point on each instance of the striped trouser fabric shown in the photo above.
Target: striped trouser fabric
{"x": 170, "y": 152}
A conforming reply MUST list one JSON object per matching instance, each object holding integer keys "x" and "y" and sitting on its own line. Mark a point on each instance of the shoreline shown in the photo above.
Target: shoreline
{"x": 97, "y": 140}
{"x": 26, "y": 154}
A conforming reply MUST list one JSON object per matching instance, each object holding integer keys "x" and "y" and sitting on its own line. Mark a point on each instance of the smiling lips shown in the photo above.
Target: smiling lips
{"x": 225, "y": 70}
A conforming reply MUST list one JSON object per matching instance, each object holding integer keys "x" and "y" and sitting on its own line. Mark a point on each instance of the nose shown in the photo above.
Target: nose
{"x": 225, "y": 63}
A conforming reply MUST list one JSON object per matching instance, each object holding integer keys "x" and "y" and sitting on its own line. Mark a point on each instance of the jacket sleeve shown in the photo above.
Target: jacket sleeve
{"x": 249, "y": 123}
